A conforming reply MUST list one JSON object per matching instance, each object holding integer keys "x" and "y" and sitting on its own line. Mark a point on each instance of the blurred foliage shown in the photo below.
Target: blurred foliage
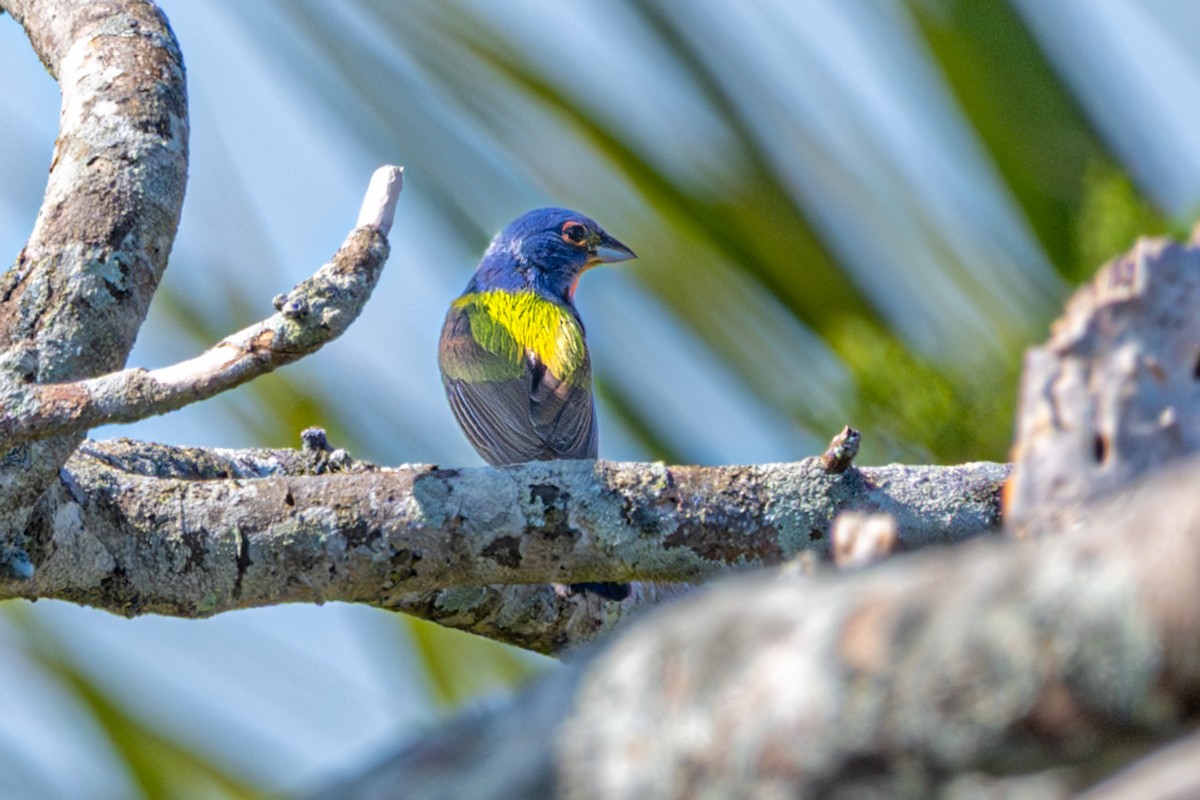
{"x": 624, "y": 410}
{"x": 919, "y": 400}
{"x": 1113, "y": 215}
{"x": 460, "y": 666}
{"x": 158, "y": 765}
{"x": 1035, "y": 132}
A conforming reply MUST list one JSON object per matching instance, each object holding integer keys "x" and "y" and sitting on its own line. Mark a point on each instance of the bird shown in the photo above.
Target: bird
{"x": 513, "y": 355}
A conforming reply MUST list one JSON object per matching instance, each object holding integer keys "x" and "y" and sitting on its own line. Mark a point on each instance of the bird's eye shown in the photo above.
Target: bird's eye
{"x": 574, "y": 232}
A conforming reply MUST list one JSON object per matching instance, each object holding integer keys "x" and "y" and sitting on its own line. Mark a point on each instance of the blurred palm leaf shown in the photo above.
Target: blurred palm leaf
{"x": 1113, "y": 214}
{"x": 460, "y": 667}
{"x": 158, "y": 765}
{"x": 1045, "y": 148}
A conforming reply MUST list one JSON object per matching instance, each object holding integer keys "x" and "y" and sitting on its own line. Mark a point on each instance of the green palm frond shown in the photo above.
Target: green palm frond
{"x": 159, "y": 765}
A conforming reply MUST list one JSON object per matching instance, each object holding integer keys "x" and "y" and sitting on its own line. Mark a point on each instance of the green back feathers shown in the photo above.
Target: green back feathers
{"x": 509, "y": 324}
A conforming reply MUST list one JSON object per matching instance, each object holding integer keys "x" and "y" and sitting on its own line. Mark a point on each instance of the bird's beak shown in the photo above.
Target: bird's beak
{"x": 606, "y": 250}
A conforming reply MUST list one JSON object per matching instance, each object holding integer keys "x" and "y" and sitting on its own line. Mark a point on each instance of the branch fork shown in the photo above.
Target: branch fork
{"x": 315, "y": 312}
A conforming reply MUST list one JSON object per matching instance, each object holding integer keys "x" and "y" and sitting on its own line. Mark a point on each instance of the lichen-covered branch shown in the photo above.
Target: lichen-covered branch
{"x": 996, "y": 658}
{"x": 993, "y": 657}
{"x": 534, "y": 617}
{"x": 317, "y": 311}
{"x": 73, "y": 301}
{"x": 139, "y": 543}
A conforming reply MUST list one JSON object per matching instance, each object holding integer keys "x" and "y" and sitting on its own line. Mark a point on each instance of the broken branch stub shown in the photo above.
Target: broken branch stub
{"x": 1114, "y": 393}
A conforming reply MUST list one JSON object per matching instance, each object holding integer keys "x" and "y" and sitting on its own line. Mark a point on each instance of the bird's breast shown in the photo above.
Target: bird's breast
{"x": 518, "y": 325}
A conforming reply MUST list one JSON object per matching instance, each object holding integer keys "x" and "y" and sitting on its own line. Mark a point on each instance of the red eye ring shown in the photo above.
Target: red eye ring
{"x": 574, "y": 233}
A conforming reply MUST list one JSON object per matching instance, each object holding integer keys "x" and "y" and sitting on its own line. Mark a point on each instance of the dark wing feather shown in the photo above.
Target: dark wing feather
{"x": 491, "y": 415}
{"x": 563, "y": 414}
{"x": 529, "y": 417}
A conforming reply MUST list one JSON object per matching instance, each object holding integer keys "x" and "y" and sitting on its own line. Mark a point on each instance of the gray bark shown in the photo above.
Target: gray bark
{"x": 1112, "y": 395}
{"x": 994, "y": 659}
{"x": 200, "y": 532}
{"x": 72, "y": 303}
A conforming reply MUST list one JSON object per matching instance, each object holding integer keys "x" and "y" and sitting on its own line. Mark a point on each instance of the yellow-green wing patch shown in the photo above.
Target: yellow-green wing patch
{"x": 509, "y": 324}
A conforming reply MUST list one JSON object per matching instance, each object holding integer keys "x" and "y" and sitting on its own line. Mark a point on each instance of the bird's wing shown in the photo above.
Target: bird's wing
{"x": 490, "y": 416}
{"x": 488, "y": 393}
{"x": 510, "y": 406}
{"x": 563, "y": 413}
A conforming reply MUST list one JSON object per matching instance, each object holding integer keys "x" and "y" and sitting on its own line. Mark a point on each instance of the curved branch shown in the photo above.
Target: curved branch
{"x": 80, "y": 288}
{"x": 317, "y": 311}
{"x": 72, "y": 303}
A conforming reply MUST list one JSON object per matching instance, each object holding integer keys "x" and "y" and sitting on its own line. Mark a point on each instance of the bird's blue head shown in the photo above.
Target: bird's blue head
{"x": 546, "y": 250}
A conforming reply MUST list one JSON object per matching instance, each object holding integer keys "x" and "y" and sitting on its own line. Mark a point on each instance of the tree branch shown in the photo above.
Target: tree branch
{"x": 314, "y": 313}
{"x": 72, "y": 303}
{"x": 1112, "y": 395}
{"x": 418, "y": 538}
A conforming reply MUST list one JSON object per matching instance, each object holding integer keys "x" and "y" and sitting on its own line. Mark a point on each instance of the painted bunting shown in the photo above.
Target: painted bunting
{"x": 512, "y": 353}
